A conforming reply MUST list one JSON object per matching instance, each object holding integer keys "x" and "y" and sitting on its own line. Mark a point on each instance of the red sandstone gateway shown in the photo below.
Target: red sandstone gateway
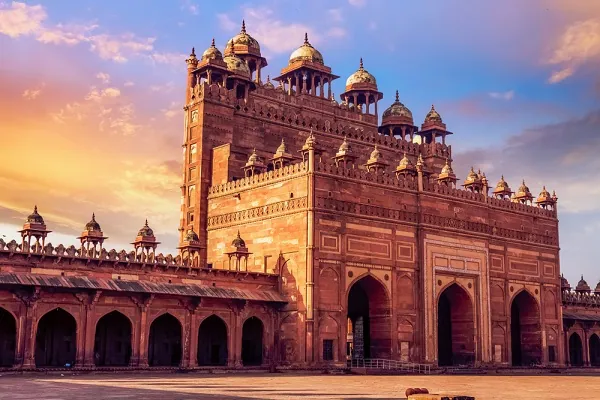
{"x": 309, "y": 236}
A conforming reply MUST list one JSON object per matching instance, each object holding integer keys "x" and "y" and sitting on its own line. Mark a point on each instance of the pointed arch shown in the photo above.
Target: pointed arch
{"x": 369, "y": 310}
{"x": 8, "y": 338}
{"x": 575, "y": 350}
{"x": 164, "y": 341}
{"x": 252, "y": 341}
{"x": 594, "y": 350}
{"x": 56, "y": 339}
{"x": 455, "y": 326}
{"x": 525, "y": 332}
{"x": 212, "y": 341}
{"x": 112, "y": 341}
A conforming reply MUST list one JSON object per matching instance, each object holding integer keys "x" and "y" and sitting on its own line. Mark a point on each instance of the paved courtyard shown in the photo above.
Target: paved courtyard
{"x": 289, "y": 386}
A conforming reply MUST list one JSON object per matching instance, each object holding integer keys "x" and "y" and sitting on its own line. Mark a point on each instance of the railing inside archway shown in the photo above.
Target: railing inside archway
{"x": 390, "y": 365}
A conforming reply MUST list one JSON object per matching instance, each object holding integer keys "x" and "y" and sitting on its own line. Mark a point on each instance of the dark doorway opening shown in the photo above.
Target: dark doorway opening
{"x": 212, "y": 342}
{"x": 595, "y": 350}
{"x": 369, "y": 313}
{"x": 112, "y": 344}
{"x": 252, "y": 342}
{"x": 575, "y": 350}
{"x": 55, "y": 341}
{"x": 456, "y": 327}
{"x": 164, "y": 343}
{"x": 8, "y": 338}
{"x": 526, "y": 338}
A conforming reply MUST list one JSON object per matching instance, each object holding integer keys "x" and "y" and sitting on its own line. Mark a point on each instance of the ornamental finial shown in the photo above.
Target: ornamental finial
{"x": 397, "y": 95}
{"x": 243, "y": 26}
{"x": 305, "y": 37}
{"x": 361, "y": 64}
{"x": 213, "y": 43}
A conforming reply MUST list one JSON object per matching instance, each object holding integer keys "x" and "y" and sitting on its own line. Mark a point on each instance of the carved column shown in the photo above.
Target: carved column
{"x": 27, "y": 333}
{"x": 141, "y": 350}
{"x": 190, "y": 341}
{"x": 85, "y": 347}
{"x": 235, "y": 339}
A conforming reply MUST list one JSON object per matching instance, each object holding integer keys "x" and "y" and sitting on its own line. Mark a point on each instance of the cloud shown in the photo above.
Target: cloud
{"x": 164, "y": 88}
{"x": 576, "y": 46}
{"x": 20, "y": 19}
{"x": 357, "y": 3}
{"x": 191, "y": 7}
{"x": 336, "y": 32}
{"x": 561, "y": 156}
{"x": 508, "y": 95}
{"x": 103, "y": 76}
{"x": 335, "y": 14}
{"x": 128, "y": 84}
{"x": 32, "y": 94}
{"x": 226, "y": 23}
{"x": 168, "y": 58}
{"x": 120, "y": 48}
{"x": 173, "y": 110}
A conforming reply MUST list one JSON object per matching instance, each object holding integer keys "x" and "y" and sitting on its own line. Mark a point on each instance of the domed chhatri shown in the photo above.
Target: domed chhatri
{"x": 433, "y": 115}
{"x": 269, "y": 85}
{"x": 523, "y": 194}
{"x": 582, "y": 286}
{"x": 397, "y": 111}
{"x": 212, "y": 53}
{"x": 242, "y": 43}
{"x": 502, "y": 190}
{"x": 236, "y": 65}
{"x": 35, "y": 218}
{"x": 545, "y": 199}
{"x": 405, "y": 167}
{"x": 93, "y": 225}
{"x": 447, "y": 174}
{"x": 564, "y": 283}
{"x": 146, "y": 231}
{"x": 238, "y": 242}
{"x": 361, "y": 79}
{"x": 190, "y": 235}
{"x": 376, "y": 155}
{"x": 306, "y": 52}
{"x": 345, "y": 148}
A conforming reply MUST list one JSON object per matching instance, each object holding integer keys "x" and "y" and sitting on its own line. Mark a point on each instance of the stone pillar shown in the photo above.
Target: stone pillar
{"x": 140, "y": 352}
{"x": 28, "y": 332}
{"x": 89, "y": 336}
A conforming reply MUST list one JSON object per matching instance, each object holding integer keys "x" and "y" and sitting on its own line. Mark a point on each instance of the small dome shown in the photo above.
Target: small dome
{"x": 191, "y": 236}
{"x": 253, "y": 157}
{"x": 582, "y": 286}
{"x": 282, "y": 149}
{"x": 145, "y": 231}
{"x": 238, "y": 241}
{"x": 311, "y": 141}
{"x": 344, "y": 149}
{"x": 243, "y": 39}
{"x": 212, "y": 53}
{"x": 564, "y": 283}
{"x": 333, "y": 100}
{"x": 502, "y": 186}
{"x": 405, "y": 165}
{"x": 236, "y": 64}
{"x": 433, "y": 116}
{"x": 544, "y": 196}
{"x": 597, "y": 289}
{"x": 523, "y": 192}
{"x": 375, "y": 155}
{"x": 35, "y": 218}
{"x": 397, "y": 109}
{"x": 269, "y": 84}
{"x": 361, "y": 76}
{"x": 447, "y": 171}
{"x": 93, "y": 226}
{"x": 306, "y": 52}
{"x": 472, "y": 177}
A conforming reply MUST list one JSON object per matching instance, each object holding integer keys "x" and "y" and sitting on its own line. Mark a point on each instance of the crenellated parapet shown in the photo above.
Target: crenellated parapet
{"x": 573, "y": 298}
{"x": 256, "y": 180}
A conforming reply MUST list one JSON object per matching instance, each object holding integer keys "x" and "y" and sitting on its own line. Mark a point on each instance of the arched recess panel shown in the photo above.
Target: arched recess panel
{"x": 575, "y": 350}
{"x": 252, "y": 341}
{"x": 455, "y": 327}
{"x": 595, "y": 350}
{"x": 288, "y": 335}
{"x": 164, "y": 342}
{"x": 112, "y": 342}
{"x": 329, "y": 287}
{"x": 405, "y": 293}
{"x": 55, "y": 340}
{"x": 8, "y": 338}
{"x": 525, "y": 330}
{"x": 212, "y": 342}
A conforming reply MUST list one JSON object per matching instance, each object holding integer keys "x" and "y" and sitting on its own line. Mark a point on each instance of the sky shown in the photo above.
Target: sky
{"x": 91, "y": 97}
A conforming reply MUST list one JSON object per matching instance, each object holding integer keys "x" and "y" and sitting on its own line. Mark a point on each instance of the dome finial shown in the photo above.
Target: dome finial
{"x": 397, "y": 95}
{"x": 146, "y": 223}
{"x": 306, "y": 38}
{"x": 193, "y": 53}
{"x": 94, "y": 217}
{"x": 231, "y": 47}
{"x": 35, "y": 209}
{"x": 243, "y": 26}
{"x": 212, "y": 44}
{"x": 361, "y": 64}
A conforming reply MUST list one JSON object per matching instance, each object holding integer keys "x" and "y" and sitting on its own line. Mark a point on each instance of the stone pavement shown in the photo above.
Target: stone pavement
{"x": 290, "y": 386}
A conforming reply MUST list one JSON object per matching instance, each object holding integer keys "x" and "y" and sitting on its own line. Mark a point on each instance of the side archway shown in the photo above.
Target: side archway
{"x": 595, "y": 350}
{"x": 575, "y": 350}
{"x": 8, "y": 338}
{"x": 455, "y": 327}
{"x": 525, "y": 330}
{"x": 252, "y": 341}
{"x": 369, "y": 313}
{"x": 164, "y": 342}
{"x": 55, "y": 340}
{"x": 112, "y": 344}
{"x": 212, "y": 342}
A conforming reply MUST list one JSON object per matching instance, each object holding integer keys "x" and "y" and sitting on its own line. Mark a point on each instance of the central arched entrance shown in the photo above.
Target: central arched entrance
{"x": 252, "y": 342}
{"x": 595, "y": 350}
{"x": 575, "y": 350}
{"x": 55, "y": 341}
{"x": 456, "y": 327}
{"x": 212, "y": 342}
{"x": 525, "y": 334}
{"x": 8, "y": 338}
{"x": 164, "y": 342}
{"x": 369, "y": 313}
{"x": 112, "y": 344}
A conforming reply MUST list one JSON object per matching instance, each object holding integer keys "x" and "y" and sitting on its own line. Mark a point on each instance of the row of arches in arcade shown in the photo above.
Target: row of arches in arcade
{"x": 369, "y": 315}
{"x": 576, "y": 350}
{"x": 55, "y": 342}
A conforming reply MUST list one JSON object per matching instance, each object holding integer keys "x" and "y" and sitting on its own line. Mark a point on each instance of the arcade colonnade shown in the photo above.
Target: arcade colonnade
{"x": 583, "y": 345}
{"x": 63, "y": 335}
{"x": 370, "y": 332}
